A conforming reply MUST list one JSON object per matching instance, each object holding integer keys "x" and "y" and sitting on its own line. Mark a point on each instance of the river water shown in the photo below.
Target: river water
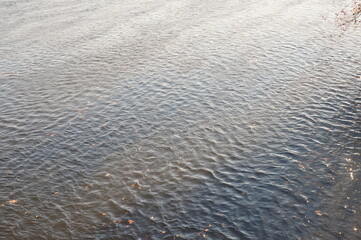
{"x": 180, "y": 119}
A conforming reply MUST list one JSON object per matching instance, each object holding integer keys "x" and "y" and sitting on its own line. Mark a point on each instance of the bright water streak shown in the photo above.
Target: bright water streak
{"x": 221, "y": 119}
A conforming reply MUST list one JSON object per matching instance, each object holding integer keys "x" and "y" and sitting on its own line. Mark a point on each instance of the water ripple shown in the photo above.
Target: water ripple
{"x": 178, "y": 120}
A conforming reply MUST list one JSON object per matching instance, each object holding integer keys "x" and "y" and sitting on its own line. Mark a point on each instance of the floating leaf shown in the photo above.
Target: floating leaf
{"x": 318, "y": 212}
{"x": 130, "y": 221}
{"x": 12, "y": 201}
{"x": 51, "y": 134}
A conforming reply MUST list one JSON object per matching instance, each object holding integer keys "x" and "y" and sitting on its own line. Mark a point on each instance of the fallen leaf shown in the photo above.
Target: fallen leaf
{"x": 318, "y": 212}
{"x": 130, "y": 221}
{"x": 301, "y": 166}
{"x": 12, "y": 201}
{"x": 104, "y": 214}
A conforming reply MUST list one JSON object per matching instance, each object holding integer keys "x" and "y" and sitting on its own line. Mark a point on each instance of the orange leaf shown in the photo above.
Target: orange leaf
{"x": 318, "y": 212}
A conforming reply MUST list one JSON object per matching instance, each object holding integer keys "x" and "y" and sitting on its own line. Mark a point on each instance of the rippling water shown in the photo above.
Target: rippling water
{"x": 178, "y": 120}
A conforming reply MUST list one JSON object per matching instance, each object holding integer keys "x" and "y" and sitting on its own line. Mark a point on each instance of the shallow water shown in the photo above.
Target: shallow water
{"x": 178, "y": 120}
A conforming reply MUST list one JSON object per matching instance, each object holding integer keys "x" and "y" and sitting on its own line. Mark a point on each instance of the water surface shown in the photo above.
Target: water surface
{"x": 178, "y": 120}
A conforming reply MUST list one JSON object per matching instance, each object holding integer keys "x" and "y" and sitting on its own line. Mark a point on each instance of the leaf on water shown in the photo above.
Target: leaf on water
{"x": 104, "y": 214}
{"x": 135, "y": 185}
{"x": 87, "y": 186}
{"x": 130, "y": 221}
{"x": 301, "y": 166}
{"x": 163, "y": 232}
{"x": 12, "y": 201}
{"x": 318, "y": 212}
{"x": 206, "y": 230}
{"x": 107, "y": 174}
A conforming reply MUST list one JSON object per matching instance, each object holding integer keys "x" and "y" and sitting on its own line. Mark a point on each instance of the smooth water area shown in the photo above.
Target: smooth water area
{"x": 180, "y": 119}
